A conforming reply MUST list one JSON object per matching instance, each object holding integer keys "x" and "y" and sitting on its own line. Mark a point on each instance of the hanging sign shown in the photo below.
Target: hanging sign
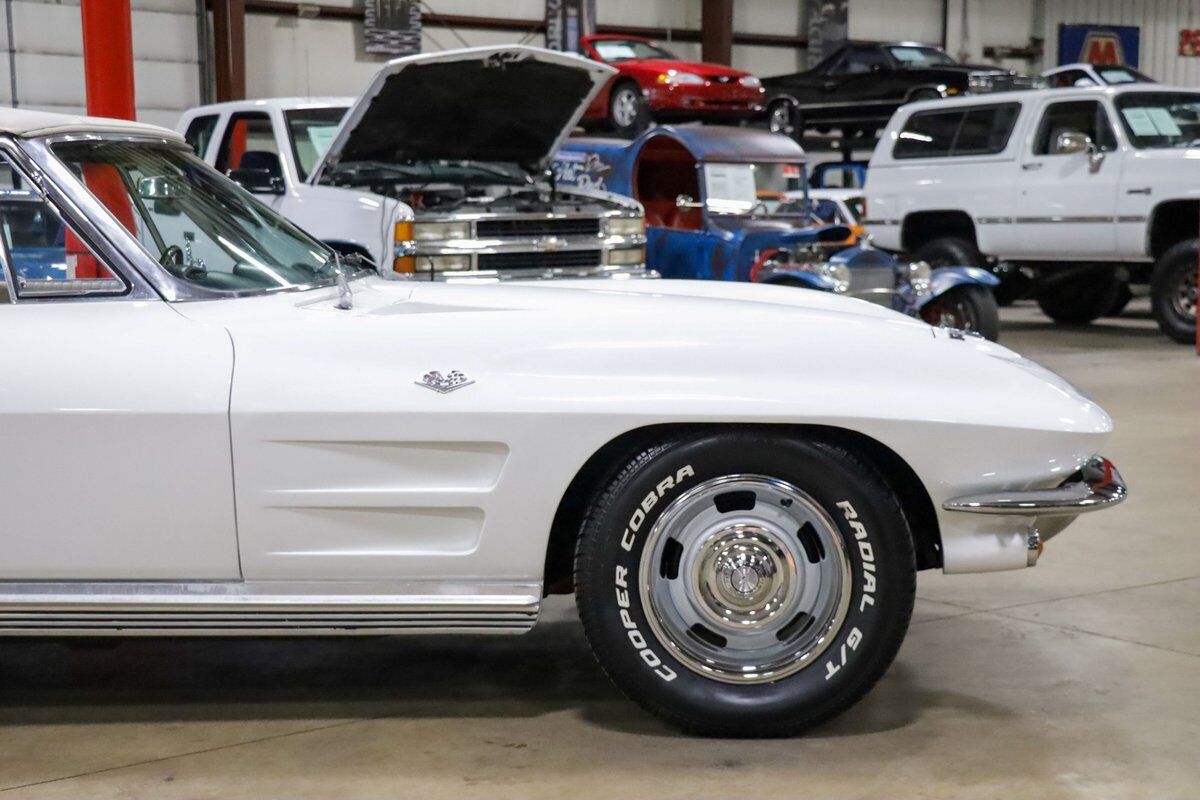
{"x": 566, "y": 21}
{"x": 392, "y": 27}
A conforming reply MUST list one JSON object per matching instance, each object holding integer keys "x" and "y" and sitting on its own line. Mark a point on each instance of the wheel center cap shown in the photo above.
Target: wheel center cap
{"x": 744, "y": 580}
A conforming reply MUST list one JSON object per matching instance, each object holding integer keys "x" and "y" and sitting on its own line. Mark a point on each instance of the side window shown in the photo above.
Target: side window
{"x": 985, "y": 130}
{"x": 199, "y": 133}
{"x": 972, "y": 131}
{"x": 249, "y": 143}
{"x": 44, "y": 256}
{"x": 928, "y": 134}
{"x": 859, "y": 62}
{"x": 1084, "y": 116}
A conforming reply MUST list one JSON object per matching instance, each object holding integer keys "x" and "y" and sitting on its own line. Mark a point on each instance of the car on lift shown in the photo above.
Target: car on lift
{"x": 707, "y": 193}
{"x": 653, "y": 84}
{"x": 213, "y": 426}
{"x": 1072, "y": 76}
{"x": 455, "y": 191}
{"x": 857, "y": 88}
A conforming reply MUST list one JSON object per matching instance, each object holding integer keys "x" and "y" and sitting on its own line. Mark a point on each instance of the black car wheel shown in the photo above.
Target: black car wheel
{"x": 968, "y": 307}
{"x": 781, "y": 118}
{"x": 627, "y": 109}
{"x": 745, "y": 584}
{"x": 1173, "y": 291}
{"x": 1081, "y": 297}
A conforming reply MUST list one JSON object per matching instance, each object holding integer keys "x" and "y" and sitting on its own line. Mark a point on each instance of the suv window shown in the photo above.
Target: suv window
{"x": 43, "y": 255}
{"x": 971, "y": 130}
{"x": 199, "y": 133}
{"x": 1085, "y": 116}
{"x": 1069, "y": 78}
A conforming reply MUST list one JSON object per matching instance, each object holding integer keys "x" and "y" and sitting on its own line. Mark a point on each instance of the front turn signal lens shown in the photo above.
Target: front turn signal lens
{"x": 404, "y": 264}
{"x": 403, "y": 231}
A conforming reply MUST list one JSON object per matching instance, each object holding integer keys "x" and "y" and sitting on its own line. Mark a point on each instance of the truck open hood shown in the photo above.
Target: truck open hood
{"x": 503, "y": 104}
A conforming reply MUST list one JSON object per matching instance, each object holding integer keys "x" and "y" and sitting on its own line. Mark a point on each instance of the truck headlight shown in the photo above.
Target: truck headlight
{"x": 441, "y": 231}
{"x": 626, "y": 256}
{"x": 444, "y": 263}
{"x": 626, "y": 226}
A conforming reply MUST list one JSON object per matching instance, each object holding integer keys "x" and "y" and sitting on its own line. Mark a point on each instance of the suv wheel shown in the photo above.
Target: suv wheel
{"x": 1173, "y": 291}
{"x": 1085, "y": 295}
{"x": 745, "y": 584}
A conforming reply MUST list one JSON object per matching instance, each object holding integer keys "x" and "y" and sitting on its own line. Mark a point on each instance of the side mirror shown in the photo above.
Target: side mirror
{"x": 687, "y": 201}
{"x": 258, "y": 181}
{"x": 1072, "y": 142}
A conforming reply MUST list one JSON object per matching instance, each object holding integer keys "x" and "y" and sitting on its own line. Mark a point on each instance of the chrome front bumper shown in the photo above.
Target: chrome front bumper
{"x": 1096, "y": 486}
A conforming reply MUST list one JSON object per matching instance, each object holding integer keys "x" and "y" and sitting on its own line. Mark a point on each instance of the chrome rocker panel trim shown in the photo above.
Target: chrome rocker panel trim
{"x": 1096, "y": 486}
{"x": 219, "y": 608}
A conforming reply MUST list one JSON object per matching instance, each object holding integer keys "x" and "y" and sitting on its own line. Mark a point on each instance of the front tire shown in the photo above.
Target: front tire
{"x": 627, "y": 111}
{"x": 781, "y": 118}
{"x": 1173, "y": 292}
{"x": 1081, "y": 298}
{"x": 745, "y": 584}
{"x": 968, "y": 307}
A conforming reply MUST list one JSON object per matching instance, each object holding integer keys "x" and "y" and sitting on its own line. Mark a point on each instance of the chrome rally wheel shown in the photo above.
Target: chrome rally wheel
{"x": 738, "y": 581}
{"x": 745, "y": 579}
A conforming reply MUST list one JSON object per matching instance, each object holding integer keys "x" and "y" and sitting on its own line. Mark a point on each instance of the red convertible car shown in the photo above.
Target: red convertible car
{"x": 654, "y": 83}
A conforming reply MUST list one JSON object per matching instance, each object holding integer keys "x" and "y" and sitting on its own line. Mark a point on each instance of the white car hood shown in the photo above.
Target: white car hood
{"x": 513, "y": 104}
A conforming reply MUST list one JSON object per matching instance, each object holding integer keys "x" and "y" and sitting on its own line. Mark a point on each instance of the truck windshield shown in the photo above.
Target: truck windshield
{"x": 1156, "y": 120}
{"x": 311, "y": 130}
{"x": 200, "y": 226}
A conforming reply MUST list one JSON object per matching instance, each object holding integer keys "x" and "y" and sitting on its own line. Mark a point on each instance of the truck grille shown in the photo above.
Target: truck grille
{"x": 566, "y": 259}
{"x": 530, "y": 228}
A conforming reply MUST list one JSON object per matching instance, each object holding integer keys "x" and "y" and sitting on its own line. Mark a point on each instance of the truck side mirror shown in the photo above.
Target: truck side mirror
{"x": 1072, "y": 142}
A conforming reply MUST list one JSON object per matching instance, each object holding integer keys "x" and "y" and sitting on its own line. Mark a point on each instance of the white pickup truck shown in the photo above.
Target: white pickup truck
{"x": 438, "y": 170}
{"x": 1085, "y": 189}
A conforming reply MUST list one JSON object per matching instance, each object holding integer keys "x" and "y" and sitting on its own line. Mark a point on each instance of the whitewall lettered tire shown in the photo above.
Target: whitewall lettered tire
{"x": 745, "y": 584}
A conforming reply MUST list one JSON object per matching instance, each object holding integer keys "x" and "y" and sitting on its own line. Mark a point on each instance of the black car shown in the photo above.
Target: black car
{"x": 858, "y": 87}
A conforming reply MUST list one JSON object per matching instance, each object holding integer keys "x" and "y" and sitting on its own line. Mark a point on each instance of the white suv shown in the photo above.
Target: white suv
{"x": 1085, "y": 189}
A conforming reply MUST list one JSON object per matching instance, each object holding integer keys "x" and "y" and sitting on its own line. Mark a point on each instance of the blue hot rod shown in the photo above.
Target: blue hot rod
{"x": 709, "y": 195}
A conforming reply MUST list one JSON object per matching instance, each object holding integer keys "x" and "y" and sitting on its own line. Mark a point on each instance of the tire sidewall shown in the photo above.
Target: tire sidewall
{"x": 635, "y": 123}
{"x": 1171, "y": 269}
{"x": 983, "y": 308}
{"x": 882, "y": 572}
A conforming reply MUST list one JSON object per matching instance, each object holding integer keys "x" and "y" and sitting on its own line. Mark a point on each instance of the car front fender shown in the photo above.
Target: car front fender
{"x": 944, "y": 279}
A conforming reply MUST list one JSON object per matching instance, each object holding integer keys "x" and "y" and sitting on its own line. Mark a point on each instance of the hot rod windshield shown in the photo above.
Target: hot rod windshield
{"x": 741, "y": 188}
{"x": 200, "y": 226}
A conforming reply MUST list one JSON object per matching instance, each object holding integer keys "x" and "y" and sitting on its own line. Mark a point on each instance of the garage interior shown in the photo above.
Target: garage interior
{"x": 1076, "y": 679}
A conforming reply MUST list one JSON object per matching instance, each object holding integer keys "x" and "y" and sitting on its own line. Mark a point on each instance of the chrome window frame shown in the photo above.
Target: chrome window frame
{"x": 14, "y": 149}
{"x": 52, "y": 175}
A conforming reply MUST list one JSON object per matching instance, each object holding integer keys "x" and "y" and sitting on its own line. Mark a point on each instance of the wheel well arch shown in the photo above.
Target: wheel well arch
{"x": 925, "y": 87}
{"x": 1172, "y": 222}
{"x": 920, "y": 227}
{"x": 603, "y": 465}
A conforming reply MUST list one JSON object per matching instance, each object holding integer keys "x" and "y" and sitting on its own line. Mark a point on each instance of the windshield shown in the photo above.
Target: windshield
{"x": 746, "y": 188}
{"x": 916, "y": 56}
{"x": 625, "y": 49}
{"x": 200, "y": 226}
{"x": 311, "y": 130}
{"x": 1114, "y": 75}
{"x": 1156, "y": 120}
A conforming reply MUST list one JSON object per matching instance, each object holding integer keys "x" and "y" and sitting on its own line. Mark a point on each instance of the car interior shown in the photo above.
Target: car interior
{"x": 664, "y": 171}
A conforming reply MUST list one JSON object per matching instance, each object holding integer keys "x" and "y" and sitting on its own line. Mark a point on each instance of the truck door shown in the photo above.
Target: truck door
{"x": 1066, "y": 197}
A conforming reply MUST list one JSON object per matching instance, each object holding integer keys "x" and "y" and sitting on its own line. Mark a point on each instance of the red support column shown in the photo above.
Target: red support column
{"x": 108, "y": 58}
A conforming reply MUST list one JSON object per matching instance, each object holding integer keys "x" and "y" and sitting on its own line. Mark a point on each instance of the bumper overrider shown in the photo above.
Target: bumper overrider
{"x": 1097, "y": 485}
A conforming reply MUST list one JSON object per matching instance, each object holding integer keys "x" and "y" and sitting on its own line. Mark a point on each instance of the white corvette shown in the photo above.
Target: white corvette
{"x": 210, "y": 426}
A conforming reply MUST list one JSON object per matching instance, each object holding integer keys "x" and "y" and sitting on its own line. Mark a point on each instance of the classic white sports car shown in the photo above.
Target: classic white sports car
{"x": 212, "y": 426}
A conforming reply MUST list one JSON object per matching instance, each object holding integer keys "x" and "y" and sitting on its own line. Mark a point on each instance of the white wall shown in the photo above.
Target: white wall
{"x": 289, "y": 56}
{"x": 1159, "y": 20}
{"x": 48, "y": 47}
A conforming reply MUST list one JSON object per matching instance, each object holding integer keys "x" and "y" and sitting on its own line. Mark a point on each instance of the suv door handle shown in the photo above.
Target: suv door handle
{"x": 1032, "y": 165}
{"x": 1142, "y": 190}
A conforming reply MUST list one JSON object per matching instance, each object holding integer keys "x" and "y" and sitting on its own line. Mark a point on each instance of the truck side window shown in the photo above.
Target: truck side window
{"x": 199, "y": 133}
{"x": 248, "y": 133}
{"x": 985, "y": 130}
{"x": 1085, "y": 116}
{"x": 928, "y": 134}
{"x": 967, "y": 131}
{"x": 859, "y": 62}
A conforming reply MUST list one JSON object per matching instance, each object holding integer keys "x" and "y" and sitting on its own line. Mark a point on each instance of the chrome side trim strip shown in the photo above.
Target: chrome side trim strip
{"x": 1096, "y": 486}
{"x": 264, "y": 608}
{"x": 881, "y": 222}
{"x": 1057, "y": 219}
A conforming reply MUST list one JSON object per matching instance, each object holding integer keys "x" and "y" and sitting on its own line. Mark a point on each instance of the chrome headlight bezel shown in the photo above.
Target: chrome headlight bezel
{"x": 919, "y": 275}
{"x": 626, "y": 227}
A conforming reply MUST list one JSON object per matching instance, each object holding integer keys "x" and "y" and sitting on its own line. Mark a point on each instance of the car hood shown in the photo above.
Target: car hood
{"x": 501, "y": 104}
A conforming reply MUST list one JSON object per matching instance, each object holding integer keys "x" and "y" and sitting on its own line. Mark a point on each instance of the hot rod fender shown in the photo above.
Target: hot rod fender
{"x": 944, "y": 279}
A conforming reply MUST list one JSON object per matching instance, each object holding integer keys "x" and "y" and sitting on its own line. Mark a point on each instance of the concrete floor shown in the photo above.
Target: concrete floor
{"x": 1080, "y": 678}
